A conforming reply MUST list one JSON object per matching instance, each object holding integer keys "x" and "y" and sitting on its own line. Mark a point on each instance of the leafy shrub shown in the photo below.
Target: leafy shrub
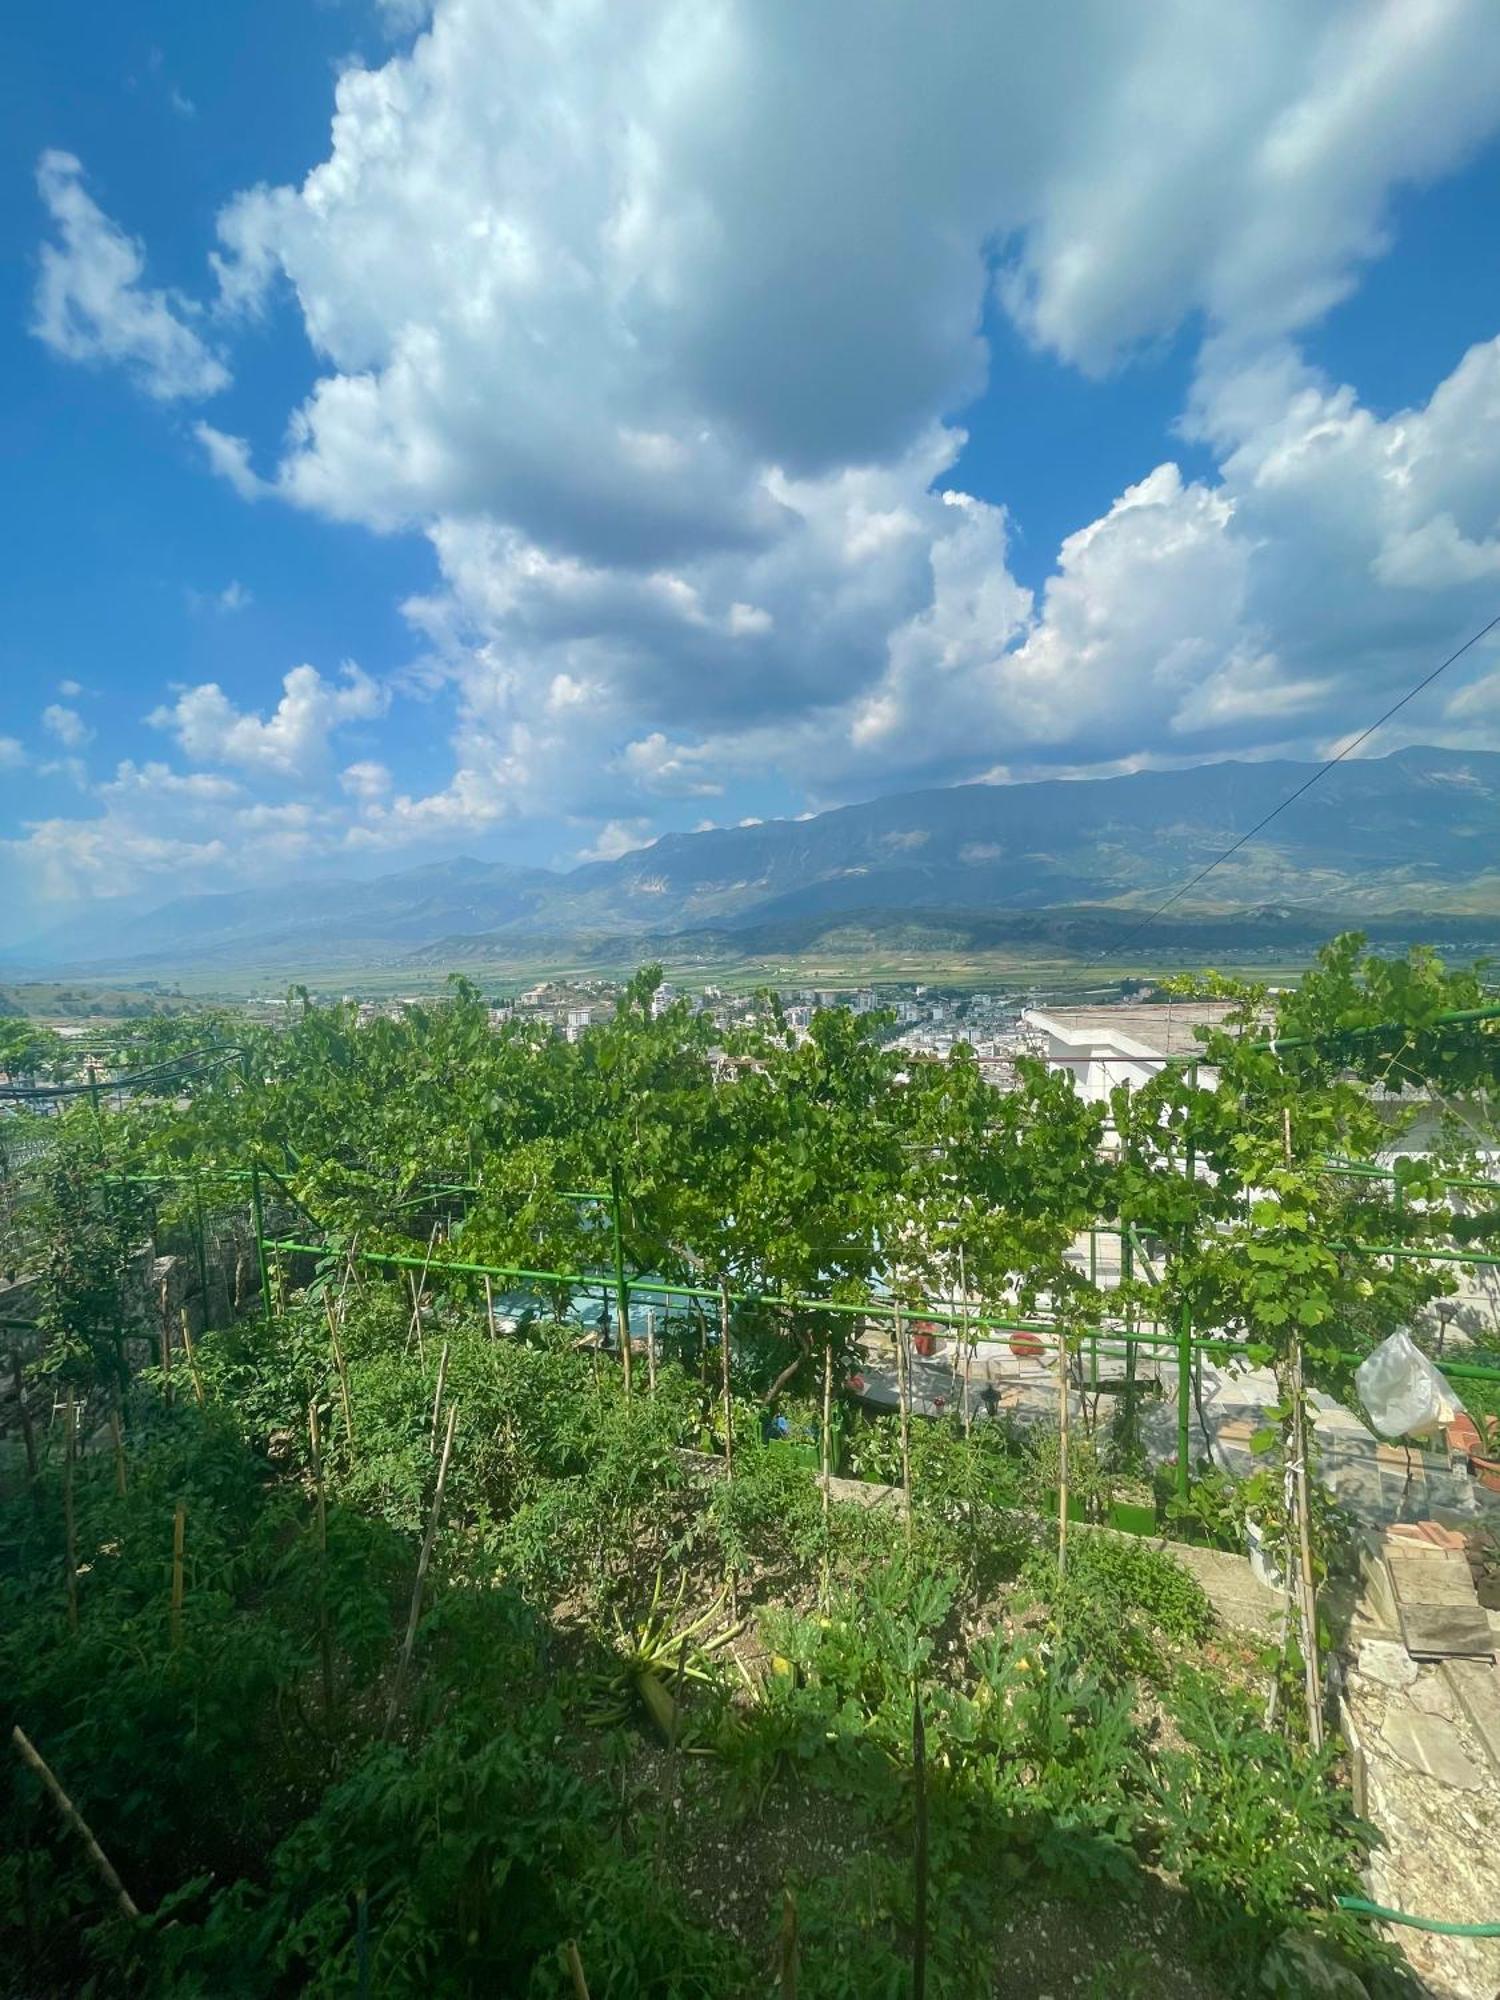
{"x": 1262, "y": 1834}
{"x": 1118, "y": 1599}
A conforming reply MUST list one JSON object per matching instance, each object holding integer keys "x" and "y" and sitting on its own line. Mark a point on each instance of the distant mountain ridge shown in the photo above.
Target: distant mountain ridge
{"x": 1416, "y": 831}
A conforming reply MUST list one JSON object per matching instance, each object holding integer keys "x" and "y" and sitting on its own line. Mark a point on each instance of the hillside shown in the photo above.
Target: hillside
{"x": 1416, "y": 831}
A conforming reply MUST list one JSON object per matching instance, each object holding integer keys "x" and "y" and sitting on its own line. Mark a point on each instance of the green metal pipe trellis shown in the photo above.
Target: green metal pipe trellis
{"x": 868, "y": 1309}
{"x": 1185, "y": 1340}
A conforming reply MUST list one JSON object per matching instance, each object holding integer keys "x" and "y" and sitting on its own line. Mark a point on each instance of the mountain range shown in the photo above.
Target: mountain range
{"x": 1414, "y": 832}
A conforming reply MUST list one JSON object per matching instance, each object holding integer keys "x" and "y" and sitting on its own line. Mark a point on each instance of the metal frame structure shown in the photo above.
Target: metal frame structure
{"x": 1184, "y": 1339}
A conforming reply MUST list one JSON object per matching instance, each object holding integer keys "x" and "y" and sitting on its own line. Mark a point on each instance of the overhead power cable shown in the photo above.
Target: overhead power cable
{"x": 1292, "y": 797}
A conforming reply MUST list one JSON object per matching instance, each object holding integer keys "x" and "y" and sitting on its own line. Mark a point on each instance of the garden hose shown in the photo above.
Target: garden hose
{"x": 1443, "y": 1929}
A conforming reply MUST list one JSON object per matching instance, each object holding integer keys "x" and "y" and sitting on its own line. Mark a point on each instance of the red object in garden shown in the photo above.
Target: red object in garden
{"x": 855, "y": 1384}
{"x": 1463, "y": 1436}
{"x": 1026, "y": 1346}
{"x": 924, "y": 1339}
{"x": 1465, "y": 1441}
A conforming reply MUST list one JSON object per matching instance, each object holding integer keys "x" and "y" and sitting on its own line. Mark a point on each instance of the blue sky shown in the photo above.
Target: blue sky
{"x": 603, "y": 426}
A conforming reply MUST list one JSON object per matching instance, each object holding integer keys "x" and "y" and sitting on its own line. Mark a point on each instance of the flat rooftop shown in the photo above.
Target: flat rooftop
{"x": 1167, "y": 1029}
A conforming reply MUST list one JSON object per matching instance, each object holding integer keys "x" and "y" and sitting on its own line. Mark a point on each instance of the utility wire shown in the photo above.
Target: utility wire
{"x": 1292, "y": 797}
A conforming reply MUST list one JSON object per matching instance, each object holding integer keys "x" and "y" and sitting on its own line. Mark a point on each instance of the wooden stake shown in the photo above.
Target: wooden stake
{"x": 70, "y": 1533}
{"x": 827, "y": 1438}
{"x": 489, "y": 1306}
{"x": 963, "y": 1286}
{"x": 788, "y": 1951}
{"x": 362, "y": 1942}
{"x": 179, "y": 1535}
{"x": 119, "y": 1444}
{"x": 1308, "y": 1605}
{"x": 651, "y": 1349}
{"x": 903, "y": 1390}
{"x": 340, "y": 1369}
{"x": 416, "y": 1295}
{"x": 437, "y": 1398}
{"x": 919, "y": 1844}
{"x": 415, "y": 1323}
{"x": 166, "y": 1345}
{"x": 320, "y": 1504}
{"x": 1062, "y": 1457}
{"x": 28, "y": 1435}
{"x": 407, "y": 1644}
{"x": 728, "y": 1394}
{"x": 575, "y": 1969}
{"x": 192, "y": 1359}
{"x": 1309, "y": 1596}
{"x": 74, "y": 1819}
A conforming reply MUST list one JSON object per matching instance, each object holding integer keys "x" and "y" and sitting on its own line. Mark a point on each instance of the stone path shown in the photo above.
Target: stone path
{"x": 1426, "y": 1739}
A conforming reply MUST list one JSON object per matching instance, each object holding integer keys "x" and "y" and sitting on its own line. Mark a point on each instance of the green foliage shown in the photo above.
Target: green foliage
{"x": 1260, "y": 1832}
{"x": 284, "y": 1807}
{"x": 1118, "y": 1602}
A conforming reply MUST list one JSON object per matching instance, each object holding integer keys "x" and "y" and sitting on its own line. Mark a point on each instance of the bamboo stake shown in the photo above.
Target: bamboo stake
{"x": 320, "y": 1502}
{"x": 74, "y": 1819}
{"x": 788, "y": 1945}
{"x": 351, "y": 1269}
{"x": 179, "y": 1536}
{"x": 1304, "y": 1554}
{"x": 362, "y": 1942}
{"x": 575, "y": 1969}
{"x": 340, "y": 1369}
{"x": 415, "y": 1323}
{"x": 919, "y": 1844}
{"x": 70, "y": 1534}
{"x": 903, "y": 1391}
{"x": 489, "y": 1306}
{"x": 409, "y": 1642}
{"x": 119, "y": 1444}
{"x": 192, "y": 1360}
{"x": 1062, "y": 1458}
{"x": 416, "y": 1295}
{"x": 437, "y": 1398}
{"x": 28, "y": 1434}
{"x": 827, "y": 1438}
{"x": 651, "y": 1349}
{"x": 725, "y": 1390}
{"x": 963, "y": 1286}
{"x": 1308, "y": 1605}
{"x": 166, "y": 1344}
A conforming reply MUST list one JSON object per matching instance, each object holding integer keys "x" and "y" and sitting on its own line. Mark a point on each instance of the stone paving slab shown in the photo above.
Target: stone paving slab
{"x": 1386, "y": 1661}
{"x": 1438, "y": 1854}
{"x": 1430, "y": 1744}
{"x": 1422, "y": 1583}
{"x": 1439, "y": 1631}
{"x": 1476, "y": 1686}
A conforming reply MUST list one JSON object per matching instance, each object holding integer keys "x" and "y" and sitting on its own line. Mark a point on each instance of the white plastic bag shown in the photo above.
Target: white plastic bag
{"x": 1403, "y": 1393}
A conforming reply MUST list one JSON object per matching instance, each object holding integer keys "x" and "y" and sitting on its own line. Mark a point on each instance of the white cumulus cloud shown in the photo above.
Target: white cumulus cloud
{"x": 293, "y": 739}
{"x": 91, "y": 305}
{"x": 660, "y": 323}
{"x": 67, "y": 725}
